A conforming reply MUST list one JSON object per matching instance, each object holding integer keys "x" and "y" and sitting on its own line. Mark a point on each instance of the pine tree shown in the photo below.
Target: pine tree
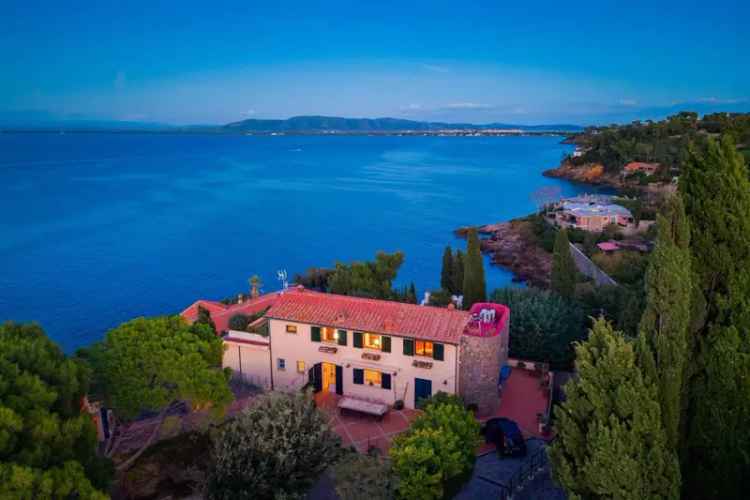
{"x": 610, "y": 439}
{"x": 564, "y": 273}
{"x": 458, "y": 272}
{"x": 716, "y": 192}
{"x": 474, "y": 288}
{"x": 446, "y": 273}
{"x": 663, "y": 345}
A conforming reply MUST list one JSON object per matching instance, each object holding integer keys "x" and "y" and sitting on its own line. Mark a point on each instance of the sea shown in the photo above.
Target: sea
{"x": 99, "y": 228}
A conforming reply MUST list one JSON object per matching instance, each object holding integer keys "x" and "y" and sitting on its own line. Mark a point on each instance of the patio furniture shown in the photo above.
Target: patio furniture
{"x": 362, "y": 406}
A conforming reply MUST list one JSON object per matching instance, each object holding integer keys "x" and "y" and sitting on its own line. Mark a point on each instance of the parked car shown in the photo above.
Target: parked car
{"x": 506, "y": 435}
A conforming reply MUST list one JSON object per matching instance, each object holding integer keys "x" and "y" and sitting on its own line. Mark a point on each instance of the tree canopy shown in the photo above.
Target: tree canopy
{"x": 665, "y": 346}
{"x": 147, "y": 363}
{"x": 276, "y": 448}
{"x": 716, "y": 192}
{"x": 47, "y": 446}
{"x": 610, "y": 439}
{"x": 544, "y": 325}
{"x": 564, "y": 272}
{"x": 474, "y": 286}
{"x": 437, "y": 454}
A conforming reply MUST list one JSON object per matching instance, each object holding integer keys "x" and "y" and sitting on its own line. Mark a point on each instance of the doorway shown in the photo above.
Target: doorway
{"x": 329, "y": 377}
{"x": 422, "y": 390}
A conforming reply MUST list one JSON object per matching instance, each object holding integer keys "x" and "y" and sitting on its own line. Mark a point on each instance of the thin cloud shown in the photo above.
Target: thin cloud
{"x": 467, "y": 105}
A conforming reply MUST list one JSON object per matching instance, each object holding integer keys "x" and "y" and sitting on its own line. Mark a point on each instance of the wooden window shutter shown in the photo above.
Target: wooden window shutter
{"x": 438, "y": 351}
{"x": 385, "y": 380}
{"x": 386, "y": 343}
{"x": 408, "y": 347}
{"x": 342, "y": 337}
{"x": 359, "y": 376}
{"x": 315, "y": 333}
{"x": 357, "y": 342}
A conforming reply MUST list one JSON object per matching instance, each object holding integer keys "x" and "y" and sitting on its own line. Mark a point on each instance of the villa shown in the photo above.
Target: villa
{"x": 367, "y": 349}
{"x": 634, "y": 167}
{"x": 591, "y": 213}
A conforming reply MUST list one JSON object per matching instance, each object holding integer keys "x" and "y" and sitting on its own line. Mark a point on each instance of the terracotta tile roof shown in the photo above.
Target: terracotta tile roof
{"x": 370, "y": 315}
{"x": 221, "y": 313}
{"x": 634, "y": 166}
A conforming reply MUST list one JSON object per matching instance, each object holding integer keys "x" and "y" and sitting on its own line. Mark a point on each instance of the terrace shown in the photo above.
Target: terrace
{"x": 523, "y": 400}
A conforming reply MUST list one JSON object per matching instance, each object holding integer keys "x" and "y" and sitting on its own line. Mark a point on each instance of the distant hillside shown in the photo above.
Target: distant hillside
{"x": 338, "y": 124}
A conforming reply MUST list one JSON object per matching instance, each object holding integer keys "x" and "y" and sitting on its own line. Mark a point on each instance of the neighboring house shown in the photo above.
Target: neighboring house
{"x": 376, "y": 350}
{"x": 637, "y": 166}
{"x": 591, "y": 213}
{"x": 222, "y": 313}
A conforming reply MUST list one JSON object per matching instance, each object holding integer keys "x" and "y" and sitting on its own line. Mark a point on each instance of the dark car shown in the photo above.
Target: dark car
{"x": 506, "y": 435}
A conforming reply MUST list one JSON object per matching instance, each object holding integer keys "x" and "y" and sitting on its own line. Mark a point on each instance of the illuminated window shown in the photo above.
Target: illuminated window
{"x": 291, "y": 328}
{"x": 373, "y": 378}
{"x": 300, "y": 367}
{"x": 281, "y": 364}
{"x": 373, "y": 341}
{"x": 423, "y": 348}
{"x": 329, "y": 335}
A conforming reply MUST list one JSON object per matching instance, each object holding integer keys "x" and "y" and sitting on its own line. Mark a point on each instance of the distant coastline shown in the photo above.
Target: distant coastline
{"x": 298, "y": 125}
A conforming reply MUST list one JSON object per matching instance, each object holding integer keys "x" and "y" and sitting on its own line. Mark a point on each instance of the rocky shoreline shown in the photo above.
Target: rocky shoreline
{"x": 587, "y": 174}
{"x": 512, "y": 245}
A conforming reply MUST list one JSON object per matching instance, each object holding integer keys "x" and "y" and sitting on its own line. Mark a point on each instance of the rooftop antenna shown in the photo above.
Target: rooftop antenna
{"x": 282, "y": 276}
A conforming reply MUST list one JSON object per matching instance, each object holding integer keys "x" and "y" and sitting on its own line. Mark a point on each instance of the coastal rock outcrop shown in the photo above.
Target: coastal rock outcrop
{"x": 512, "y": 245}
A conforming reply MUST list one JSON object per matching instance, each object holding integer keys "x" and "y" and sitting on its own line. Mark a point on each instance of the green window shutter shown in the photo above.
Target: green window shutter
{"x": 385, "y": 380}
{"x": 359, "y": 376}
{"x": 438, "y": 351}
{"x": 315, "y": 333}
{"x": 386, "y": 344}
{"x": 342, "y": 337}
{"x": 357, "y": 339}
{"x": 408, "y": 347}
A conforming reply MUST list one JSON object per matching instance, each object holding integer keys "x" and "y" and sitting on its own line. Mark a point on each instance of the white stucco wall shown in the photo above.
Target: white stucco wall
{"x": 299, "y": 347}
{"x": 249, "y": 362}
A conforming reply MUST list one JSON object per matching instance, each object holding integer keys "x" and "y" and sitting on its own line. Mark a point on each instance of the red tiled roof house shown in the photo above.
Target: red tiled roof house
{"x": 377, "y": 350}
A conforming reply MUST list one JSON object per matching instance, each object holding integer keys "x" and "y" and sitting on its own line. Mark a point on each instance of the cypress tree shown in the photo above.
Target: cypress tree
{"x": 663, "y": 342}
{"x": 446, "y": 273}
{"x": 610, "y": 439}
{"x": 458, "y": 272}
{"x": 474, "y": 288}
{"x": 564, "y": 273}
{"x": 204, "y": 318}
{"x": 716, "y": 192}
{"x": 412, "y": 294}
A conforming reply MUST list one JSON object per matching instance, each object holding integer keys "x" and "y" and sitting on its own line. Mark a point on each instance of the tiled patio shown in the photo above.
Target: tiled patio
{"x": 522, "y": 399}
{"x": 362, "y": 432}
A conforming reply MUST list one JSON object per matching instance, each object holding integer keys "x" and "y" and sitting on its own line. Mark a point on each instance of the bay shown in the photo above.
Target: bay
{"x": 98, "y": 228}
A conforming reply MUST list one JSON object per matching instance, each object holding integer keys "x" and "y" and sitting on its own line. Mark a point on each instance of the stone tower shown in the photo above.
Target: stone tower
{"x": 484, "y": 349}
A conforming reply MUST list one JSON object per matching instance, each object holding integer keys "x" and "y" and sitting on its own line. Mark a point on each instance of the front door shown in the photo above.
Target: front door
{"x": 329, "y": 377}
{"x": 422, "y": 389}
{"x": 315, "y": 377}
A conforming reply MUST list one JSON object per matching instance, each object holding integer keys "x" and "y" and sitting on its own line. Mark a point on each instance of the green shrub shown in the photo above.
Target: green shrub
{"x": 544, "y": 325}
{"x": 276, "y": 448}
{"x": 436, "y": 456}
{"x": 440, "y": 398}
{"x": 239, "y": 322}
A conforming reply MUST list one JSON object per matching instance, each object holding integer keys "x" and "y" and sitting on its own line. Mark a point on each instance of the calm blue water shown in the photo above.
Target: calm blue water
{"x": 98, "y": 228}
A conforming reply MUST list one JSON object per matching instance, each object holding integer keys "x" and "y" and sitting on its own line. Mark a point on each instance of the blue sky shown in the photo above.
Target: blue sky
{"x": 516, "y": 62}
